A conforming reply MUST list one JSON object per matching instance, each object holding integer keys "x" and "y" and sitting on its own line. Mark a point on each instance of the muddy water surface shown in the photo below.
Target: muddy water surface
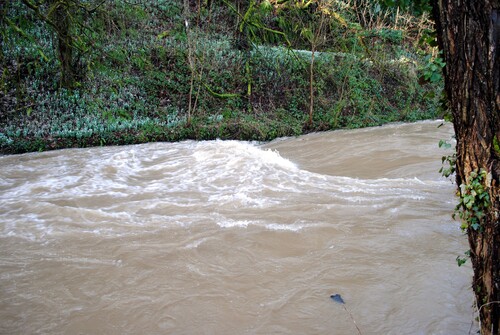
{"x": 235, "y": 238}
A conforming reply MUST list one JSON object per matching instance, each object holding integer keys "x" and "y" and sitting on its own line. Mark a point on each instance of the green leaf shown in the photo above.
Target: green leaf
{"x": 435, "y": 77}
{"x": 444, "y": 144}
{"x": 461, "y": 261}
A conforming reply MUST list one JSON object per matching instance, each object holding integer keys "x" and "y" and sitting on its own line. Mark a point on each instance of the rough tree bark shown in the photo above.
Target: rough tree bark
{"x": 62, "y": 21}
{"x": 469, "y": 35}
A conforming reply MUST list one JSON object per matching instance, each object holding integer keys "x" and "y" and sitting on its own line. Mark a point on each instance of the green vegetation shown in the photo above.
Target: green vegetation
{"x": 474, "y": 199}
{"x": 449, "y": 162}
{"x": 117, "y": 72}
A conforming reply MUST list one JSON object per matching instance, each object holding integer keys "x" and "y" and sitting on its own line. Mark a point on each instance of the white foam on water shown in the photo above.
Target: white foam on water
{"x": 156, "y": 185}
{"x": 195, "y": 244}
{"x": 239, "y": 199}
{"x": 287, "y": 227}
{"x": 234, "y": 223}
{"x": 235, "y": 153}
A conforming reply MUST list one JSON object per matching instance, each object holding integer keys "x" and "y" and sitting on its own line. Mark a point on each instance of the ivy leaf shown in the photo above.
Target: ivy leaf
{"x": 435, "y": 77}
{"x": 444, "y": 144}
{"x": 461, "y": 261}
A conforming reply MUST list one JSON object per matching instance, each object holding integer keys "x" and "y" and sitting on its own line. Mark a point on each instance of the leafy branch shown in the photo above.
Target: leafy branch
{"x": 449, "y": 162}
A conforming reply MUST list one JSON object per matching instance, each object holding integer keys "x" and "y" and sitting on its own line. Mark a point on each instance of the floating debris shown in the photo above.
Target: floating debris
{"x": 337, "y": 298}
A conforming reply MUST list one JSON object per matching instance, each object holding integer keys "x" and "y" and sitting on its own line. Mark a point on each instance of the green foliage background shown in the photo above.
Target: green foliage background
{"x": 134, "y": 76}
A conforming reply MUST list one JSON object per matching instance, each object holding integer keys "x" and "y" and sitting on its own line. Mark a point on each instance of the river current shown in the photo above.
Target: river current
{"x": 230, "y": 237}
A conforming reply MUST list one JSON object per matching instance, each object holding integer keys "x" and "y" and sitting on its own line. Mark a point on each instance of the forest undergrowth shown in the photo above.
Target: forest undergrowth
{"x": 81, "y": 73}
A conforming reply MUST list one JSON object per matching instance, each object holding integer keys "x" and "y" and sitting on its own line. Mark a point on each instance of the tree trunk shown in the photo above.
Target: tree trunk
{"x": 469, "y": 35}
{"x": 62, "y": 21}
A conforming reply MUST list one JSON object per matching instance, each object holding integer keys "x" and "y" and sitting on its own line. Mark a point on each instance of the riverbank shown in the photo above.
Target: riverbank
{"x": 244, "y": 128}
{"x": 141, "y": 76}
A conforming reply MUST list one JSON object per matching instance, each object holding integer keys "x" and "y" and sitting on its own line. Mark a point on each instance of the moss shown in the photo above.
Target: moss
{"x": 496, "y": 145}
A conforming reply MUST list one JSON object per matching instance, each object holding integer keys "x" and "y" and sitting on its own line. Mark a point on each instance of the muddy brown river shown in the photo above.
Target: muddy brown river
{"x": 229, "y": 237}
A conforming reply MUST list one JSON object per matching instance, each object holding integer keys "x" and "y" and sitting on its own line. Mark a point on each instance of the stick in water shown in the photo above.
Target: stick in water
{"x": 338, "y": 298}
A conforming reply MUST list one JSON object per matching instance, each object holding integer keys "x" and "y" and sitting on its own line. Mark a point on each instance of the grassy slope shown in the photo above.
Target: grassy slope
{"x": 135, "y": 81}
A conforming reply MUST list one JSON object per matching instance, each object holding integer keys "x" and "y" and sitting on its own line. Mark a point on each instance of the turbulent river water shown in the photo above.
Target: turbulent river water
{"x": 229, "y": 237}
